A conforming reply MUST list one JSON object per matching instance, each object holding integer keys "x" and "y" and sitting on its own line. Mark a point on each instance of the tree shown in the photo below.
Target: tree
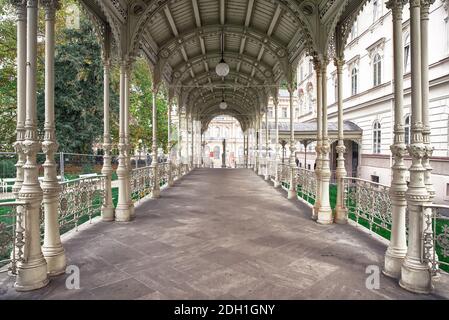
{"x": 8, "y": 81}
{"x": 78, "y": 90}
{"x": 141, "y": 112}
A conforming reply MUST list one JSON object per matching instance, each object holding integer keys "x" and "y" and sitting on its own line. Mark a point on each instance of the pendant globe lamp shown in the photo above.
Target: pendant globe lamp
{"x": 223, "y": 105}
{"x": 222, "y": 68}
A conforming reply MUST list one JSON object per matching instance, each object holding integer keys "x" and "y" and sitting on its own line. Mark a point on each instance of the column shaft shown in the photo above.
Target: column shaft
{"x": 397, "y": 247}
{"x": 123, "y": 211}
{"x": 316, "y": 208}
{"x": 155, "y": 193}
{"x": 341, "y": 215}
{"x": 415, "y": 275}
{"x": 32, "y": 269}
{"x": 21, "y": 12}
{"x": 325, "y": 211}
{"x": 107, "y": 210}
{"x": 292, "y": 185}
{"x": 52, "y": 248}
{"x": 276, "y": 146}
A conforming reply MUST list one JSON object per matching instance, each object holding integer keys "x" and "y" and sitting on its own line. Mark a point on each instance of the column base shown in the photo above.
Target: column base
{"x": 415, "y": 277}
{"x": 341, "y": 216}
{"x": 276, "y": 184}
{"x": 393, "y": 263}
{"x": 32, "y": 275}
{"x": 56, "y": 260}
{"x": 291, "y": 194}
{"x": 325, "y": 216}
{"x": 266, "y": 177}
{"x": 123, "y": 213}
{"x": 155, "y": 193}
{"x": 107, "y": 214}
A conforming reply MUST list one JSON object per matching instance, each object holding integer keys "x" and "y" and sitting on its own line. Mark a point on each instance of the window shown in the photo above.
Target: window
{"x": 335, "y": 82}
{"x": 377, "y": 70}
{"x": 375, "y": 10}
{"x": 407, "y": 53}
{"x": 310, "y": 67}
{"x": 284, "y": 112}
{"x": 354, "y": 31}
{"x": 377, "y": 137}
{"x": 407, "y": 130}
{"x": 354, "y": 76}
{"x": 217, "y": 152}
{"x": 375, "y": 179}
{"x": 217, "y": 132}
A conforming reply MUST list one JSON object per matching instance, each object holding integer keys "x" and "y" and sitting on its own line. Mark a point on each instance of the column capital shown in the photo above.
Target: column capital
{"x": 415, "y": 3}
{"x": 339, "y": 62}
{"x": 396, "y": 6}
{"x": 50, "y": 5}
{"x": 425, "y": 7}
{"x": 20, "y": 6}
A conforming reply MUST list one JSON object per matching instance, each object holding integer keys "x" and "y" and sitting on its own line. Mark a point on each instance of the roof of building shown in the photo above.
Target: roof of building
{"x": 312, "y": 126}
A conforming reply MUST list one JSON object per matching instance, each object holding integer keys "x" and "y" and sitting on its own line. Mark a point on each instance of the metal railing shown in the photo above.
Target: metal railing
{"x": 271, "y": 164}
{"x": 306, "y": 185}
{"x": 284, "y": 174}
{"x": 368, "y": 204}
{"x": 435, "y": 237}
{"x": 79, "y": 201}
{"x": 12, "y": 235}
{"x": 141, "y": 182}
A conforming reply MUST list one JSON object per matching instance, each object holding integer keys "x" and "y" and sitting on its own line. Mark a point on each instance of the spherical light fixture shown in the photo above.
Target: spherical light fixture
{"x": 222, "y": 69}
{"x": 223, "y": 105}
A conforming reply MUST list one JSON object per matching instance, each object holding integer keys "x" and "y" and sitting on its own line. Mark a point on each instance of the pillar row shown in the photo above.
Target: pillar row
{"x": 32, "y": 268}
{"x": 52, "y": 248}
{"x": 397, "y": 247}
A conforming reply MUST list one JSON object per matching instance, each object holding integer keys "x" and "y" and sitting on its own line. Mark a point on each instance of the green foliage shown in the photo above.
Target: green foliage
{"x": 8, "y": 81}
{"x": 141, "y": 100}
{"x": 78, "y": 90}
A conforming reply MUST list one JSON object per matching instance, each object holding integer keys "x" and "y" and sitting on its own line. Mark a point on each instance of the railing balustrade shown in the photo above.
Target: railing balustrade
{"x": 306, "y": 185}
{"x": 141, "y": 182}
{"x": 284, "y": 175}
{"x": 271, "y": 169}
{"x": 80, "y": 200}
{"x": 12, "y": 235}
{"x": 435, "y": 238}
{"x": 368, "y": 204}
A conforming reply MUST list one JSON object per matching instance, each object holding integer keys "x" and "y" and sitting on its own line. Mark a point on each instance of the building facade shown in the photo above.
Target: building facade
{"x": 223, "y": 128}
{"x": 368, "y": 99}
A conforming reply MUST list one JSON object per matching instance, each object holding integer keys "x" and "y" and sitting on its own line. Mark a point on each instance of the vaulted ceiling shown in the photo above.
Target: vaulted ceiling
{"x": 263, "y": 40}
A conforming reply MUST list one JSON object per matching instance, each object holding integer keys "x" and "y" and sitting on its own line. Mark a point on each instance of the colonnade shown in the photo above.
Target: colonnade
{"x": 403, "y": 258}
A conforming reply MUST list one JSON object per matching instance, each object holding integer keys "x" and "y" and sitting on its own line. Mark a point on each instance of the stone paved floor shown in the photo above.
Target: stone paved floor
{"x": 222, "y": 234}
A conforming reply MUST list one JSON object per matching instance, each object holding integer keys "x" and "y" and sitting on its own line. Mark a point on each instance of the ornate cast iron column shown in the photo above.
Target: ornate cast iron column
{"x": 341, "y": 215}
{"x": 317, "y": 67}
{"x": 32, "y": 269}
{"x": 124, "y": 209}
{"x": 276, "y": 149}
{"x": 107, "y": 210}
{"x": 52, "y": 248}
{"x": 325, "y": 211}
{"x": 292, "y": 185}
{"x": 415, "y": 275}
{"x": 155, "y": 192}
{"x": 179, "y": 149}
{"x": 257, "y": 139}
{"x": 267, "y": 176}
{"x": 397, "y": 248}
{"x": 21, "y": 21}
{"x": 169, "y": 160}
